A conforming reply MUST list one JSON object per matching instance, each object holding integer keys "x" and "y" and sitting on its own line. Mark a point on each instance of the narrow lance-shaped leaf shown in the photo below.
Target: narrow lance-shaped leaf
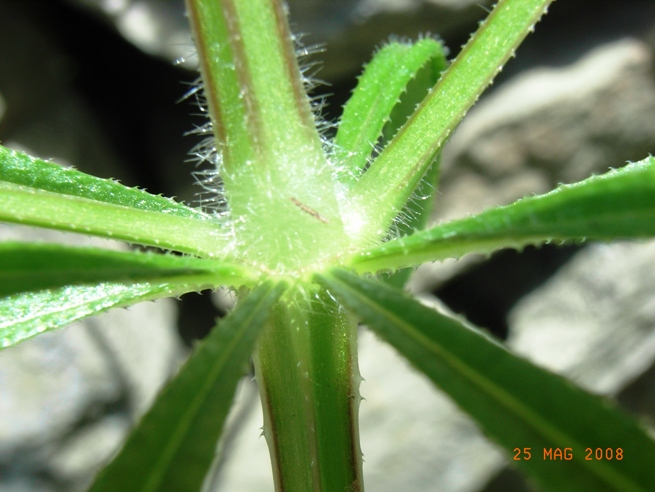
{"x": 378, "y": 92}
{"x": 395, "y": 173}
{"x": 416, "y": 212}
{"x": 38, "y": 266}
{"x": 31, "y": 206}
{"x": 173, "y": 445}
{"x": 24, "y": 170}
{"x": 519, "y": 405}
{"x": 28, "y": 314}
{"x": 617, "y": 205}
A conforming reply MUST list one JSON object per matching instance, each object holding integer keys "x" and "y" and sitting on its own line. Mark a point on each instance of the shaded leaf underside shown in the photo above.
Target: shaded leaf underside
{"x": 47, "y": 286}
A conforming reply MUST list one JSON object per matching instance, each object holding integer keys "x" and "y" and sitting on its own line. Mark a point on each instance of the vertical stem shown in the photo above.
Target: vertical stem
{"x": 252, "y": 84}
{"x": 308, "y": 377}
{"x": 277, "y": 180}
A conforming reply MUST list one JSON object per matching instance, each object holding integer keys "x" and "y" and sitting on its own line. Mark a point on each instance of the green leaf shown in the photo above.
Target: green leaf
{"x": 384, "y": 188}
{"x": 417, "y": 210}
{"x": 37, "y": 266}
{"x": 619, "y": 204}
{"x": 31, "y": 206}
{"x": 517, "y": 404}
{"x": 378, "y": 91}
{"x": 173, "y": 445}
{"x": 21, "y": 169}
{"x": 414, "y": 217}
{"x": 28, "y": 314}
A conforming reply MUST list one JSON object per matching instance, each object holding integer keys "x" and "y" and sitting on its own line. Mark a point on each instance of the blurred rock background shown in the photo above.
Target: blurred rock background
{"x": 94, "y": 84}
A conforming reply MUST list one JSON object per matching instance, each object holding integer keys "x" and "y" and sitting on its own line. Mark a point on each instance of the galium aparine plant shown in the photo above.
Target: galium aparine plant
{"x": 301, "y": 231}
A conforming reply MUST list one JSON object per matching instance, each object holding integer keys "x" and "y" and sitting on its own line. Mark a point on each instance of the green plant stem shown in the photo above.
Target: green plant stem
{"x": 276, "y": 178}
{"x": 253, "y": 87}
{"x": 307, "y": 373}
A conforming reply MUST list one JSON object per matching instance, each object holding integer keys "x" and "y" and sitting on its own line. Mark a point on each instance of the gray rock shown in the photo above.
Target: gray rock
{"x": 413, "y": 436}
{"x": 158, "y": 28}
{"x": 69, "y": 398}
{"x": 349, "y": 30}
{"x": 243, "y": 463}
{"x": 551, "y": 126}
{"x": 595, "y": 320}
{"x": 42, "y": 111}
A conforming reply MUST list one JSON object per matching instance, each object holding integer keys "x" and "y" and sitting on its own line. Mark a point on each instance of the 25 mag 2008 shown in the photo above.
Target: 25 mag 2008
{"x": 566, "y": 454}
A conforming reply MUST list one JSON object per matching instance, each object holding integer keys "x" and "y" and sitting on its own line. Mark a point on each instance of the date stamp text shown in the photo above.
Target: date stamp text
{"x": 566, "y": 454}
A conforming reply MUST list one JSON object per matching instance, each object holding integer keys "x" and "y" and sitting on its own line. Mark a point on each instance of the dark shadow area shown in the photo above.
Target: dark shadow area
{"x": 485, "y": 293}
{"x": 196, "y": 316}
{"x": 508, "y": 479}
{"x": 638, "y": 397}
{"x": 132, "y": 95}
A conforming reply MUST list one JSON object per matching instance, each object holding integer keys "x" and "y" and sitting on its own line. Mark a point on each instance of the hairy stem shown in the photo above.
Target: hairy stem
{"x": 307, "y": 373}
{"x": 277, "y": 180}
